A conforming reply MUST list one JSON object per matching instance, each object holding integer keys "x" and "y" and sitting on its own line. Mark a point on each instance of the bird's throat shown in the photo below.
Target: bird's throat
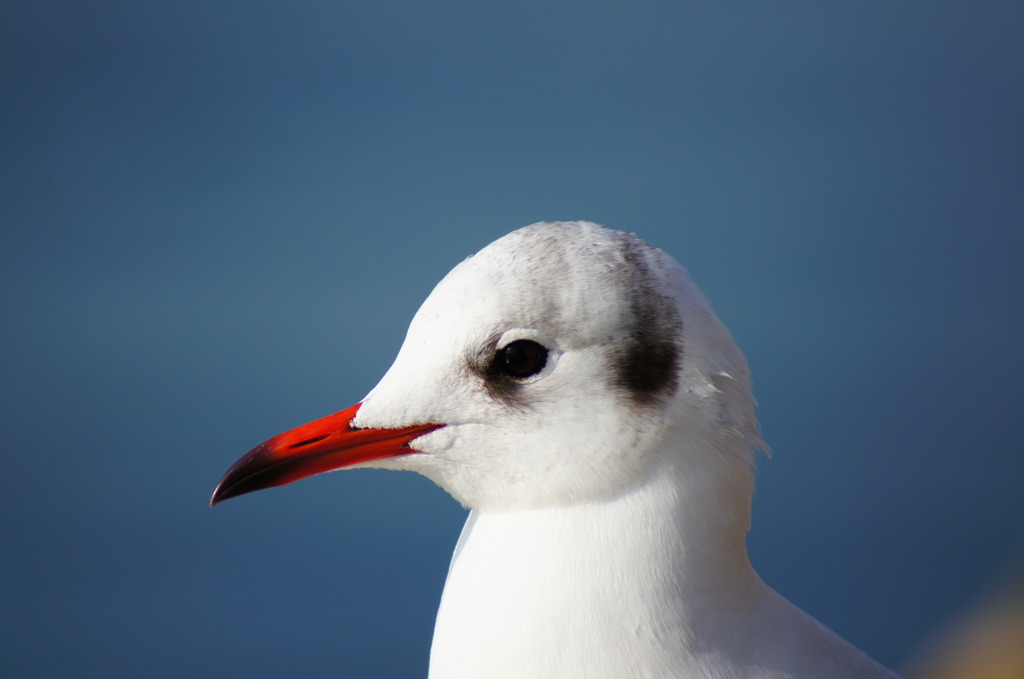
{"x": 564, "y": 588}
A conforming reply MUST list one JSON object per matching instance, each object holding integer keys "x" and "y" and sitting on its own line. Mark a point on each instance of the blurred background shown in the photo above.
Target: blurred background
{"x": 218, "y": 218}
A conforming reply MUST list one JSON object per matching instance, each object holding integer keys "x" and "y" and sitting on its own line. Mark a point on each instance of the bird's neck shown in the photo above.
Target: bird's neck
{"x": 651, "y": 568}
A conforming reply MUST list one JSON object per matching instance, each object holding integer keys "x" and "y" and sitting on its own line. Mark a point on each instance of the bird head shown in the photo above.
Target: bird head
{"x": 562, "y": 363}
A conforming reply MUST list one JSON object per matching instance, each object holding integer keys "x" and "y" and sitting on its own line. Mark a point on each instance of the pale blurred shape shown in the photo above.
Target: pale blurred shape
{"x": 986, "y": 643}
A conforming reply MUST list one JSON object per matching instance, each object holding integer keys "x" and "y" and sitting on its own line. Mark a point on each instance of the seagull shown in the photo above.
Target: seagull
{"x": 572, "y": 387}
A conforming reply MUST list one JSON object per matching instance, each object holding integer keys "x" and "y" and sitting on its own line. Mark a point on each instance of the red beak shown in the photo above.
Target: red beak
{"x": 323, "y": 445}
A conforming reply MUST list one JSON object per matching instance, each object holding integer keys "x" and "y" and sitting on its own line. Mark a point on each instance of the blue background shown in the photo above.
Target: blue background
{"x": 218, "y": 218}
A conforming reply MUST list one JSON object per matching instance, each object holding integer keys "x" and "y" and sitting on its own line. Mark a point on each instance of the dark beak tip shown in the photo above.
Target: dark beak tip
{"x": 217, "y": 497}
{"x": 225, "y": 491}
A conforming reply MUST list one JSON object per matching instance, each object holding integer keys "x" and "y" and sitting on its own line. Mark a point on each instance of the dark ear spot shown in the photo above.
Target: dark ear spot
{"x": 647, "y": 369}
{"x": 647, "y": 364}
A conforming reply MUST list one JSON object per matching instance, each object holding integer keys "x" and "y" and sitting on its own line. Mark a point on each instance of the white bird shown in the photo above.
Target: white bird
{"x": 572, "y": 387}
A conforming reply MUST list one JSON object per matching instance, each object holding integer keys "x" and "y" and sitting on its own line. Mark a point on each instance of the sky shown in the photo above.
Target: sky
{"x": 216, "y": 220}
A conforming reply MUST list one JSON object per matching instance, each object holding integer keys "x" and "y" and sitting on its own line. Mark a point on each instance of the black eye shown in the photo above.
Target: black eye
{"x": 521, "y": 358}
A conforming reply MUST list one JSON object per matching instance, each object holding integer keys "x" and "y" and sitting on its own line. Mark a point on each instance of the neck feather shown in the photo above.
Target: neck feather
{"x": 650, "y": 568}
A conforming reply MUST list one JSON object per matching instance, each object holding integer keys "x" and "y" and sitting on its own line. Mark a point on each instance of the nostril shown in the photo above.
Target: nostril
{"x": 302, "y": 444}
